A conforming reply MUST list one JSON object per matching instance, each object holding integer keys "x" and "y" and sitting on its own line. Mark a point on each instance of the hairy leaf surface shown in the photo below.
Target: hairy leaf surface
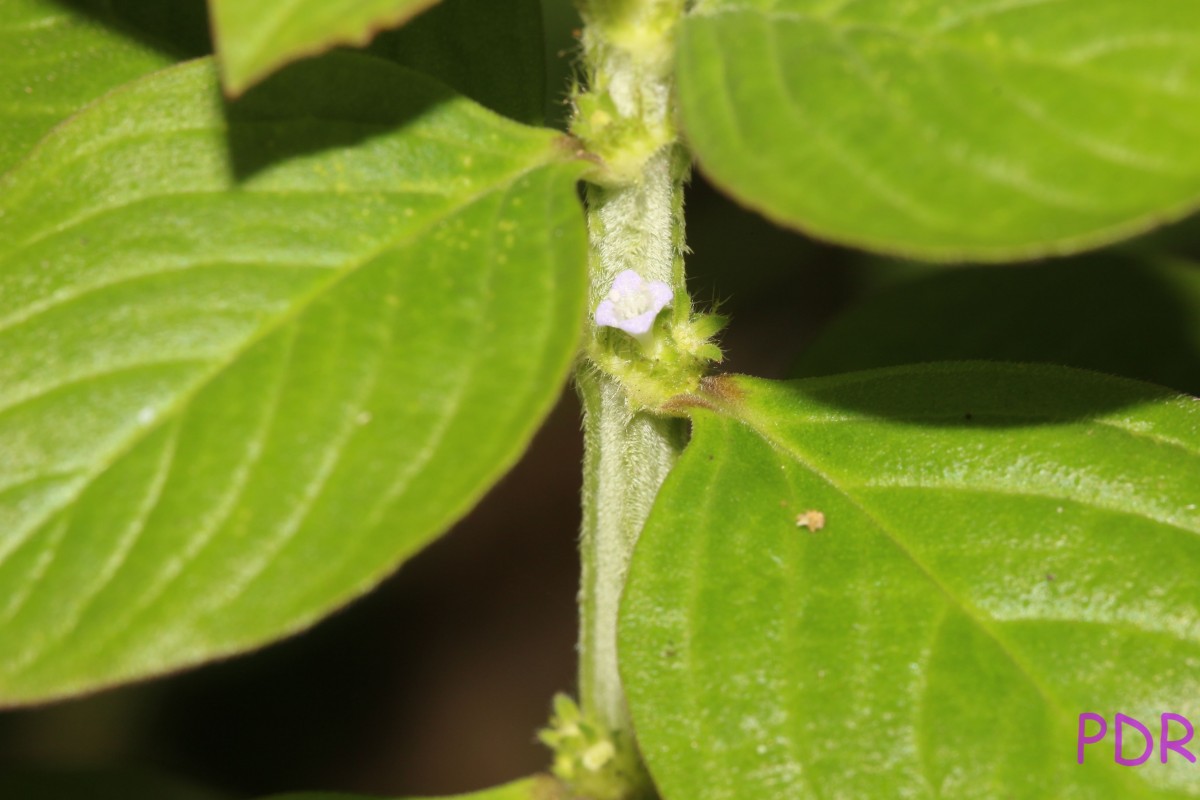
{"x": 256, "y": 38}
{"x": 55, "y": 59}
{"x": 252, "y": 358}
{"x": 970, "y": 129}
{"x": 1003, "y": 548}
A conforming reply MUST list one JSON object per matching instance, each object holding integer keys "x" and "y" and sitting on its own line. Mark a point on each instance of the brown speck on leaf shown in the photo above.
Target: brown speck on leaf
{"x": 1049, "y": 576}
{"x": 811, "y": 519}
{"x": 783, "y": 503}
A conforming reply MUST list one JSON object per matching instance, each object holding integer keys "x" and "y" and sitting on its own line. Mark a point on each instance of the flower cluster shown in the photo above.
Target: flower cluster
{"x": 593, "y": 762}
{"x": 658, "y": 360}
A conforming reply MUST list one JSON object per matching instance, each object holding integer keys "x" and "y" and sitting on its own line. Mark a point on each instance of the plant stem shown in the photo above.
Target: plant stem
{"x": 626, "y": 457}
{"x": 635, "y": 221}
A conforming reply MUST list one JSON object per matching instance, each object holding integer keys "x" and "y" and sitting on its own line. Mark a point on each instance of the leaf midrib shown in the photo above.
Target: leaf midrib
{"x": 969, "y": 612}
{"x": 270, "y": 325}
{"x": 31, "y": 660}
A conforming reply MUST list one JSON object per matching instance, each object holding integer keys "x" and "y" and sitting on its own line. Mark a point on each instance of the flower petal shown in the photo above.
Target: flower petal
{"x": 628, "y": 282}
{"x": 661, "y": 293}
{"x": 639, "y": 324}
{"x": 606, "y": 314}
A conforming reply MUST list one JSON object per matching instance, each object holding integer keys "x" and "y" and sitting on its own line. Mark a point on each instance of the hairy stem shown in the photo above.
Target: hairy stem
{"x": 635, "y": 221}
{"x": 627, "y": 455}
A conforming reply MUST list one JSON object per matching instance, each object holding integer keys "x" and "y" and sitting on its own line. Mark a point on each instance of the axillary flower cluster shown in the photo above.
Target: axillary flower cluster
{"x": 645, "y": 334}
{"x": 656, "y": 356}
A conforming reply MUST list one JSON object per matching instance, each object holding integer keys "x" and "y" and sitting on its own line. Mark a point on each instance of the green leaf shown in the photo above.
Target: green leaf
{"x": 1004, "y": 547}
{"x": 1132, "y": 316}
{"x": 538, "y": 788}
{"x": 54, "y": 60}
{"x": 492, "y": 52}
{"x": 25, "y": 783}
{"x": 256, "y": 38}
{"x": 974, "y": 129}
{"x": 252, "y": 358}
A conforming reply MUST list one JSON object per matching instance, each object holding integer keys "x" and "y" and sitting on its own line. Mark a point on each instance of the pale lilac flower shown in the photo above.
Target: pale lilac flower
{"x": 632, "y": 305}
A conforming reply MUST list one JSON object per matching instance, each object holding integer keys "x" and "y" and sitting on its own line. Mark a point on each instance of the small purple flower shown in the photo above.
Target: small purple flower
{"x": 632, "y": 305}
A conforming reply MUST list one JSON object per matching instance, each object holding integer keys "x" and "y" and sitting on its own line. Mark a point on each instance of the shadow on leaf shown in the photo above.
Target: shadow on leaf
{"x": 337, "y": 101}
{"x": 177, "y": 28}
{"x": 1117, "y": 314}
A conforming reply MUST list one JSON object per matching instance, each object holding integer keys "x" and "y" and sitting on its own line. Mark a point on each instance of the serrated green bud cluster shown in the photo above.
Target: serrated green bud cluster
{"x": 665, "y": 365}
{"x": 596, "y": 764}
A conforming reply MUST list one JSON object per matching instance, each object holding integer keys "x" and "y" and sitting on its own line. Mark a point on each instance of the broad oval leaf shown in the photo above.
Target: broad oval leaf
{"x": 1134, "y": 316}
{"x": 55, "y": 59}
{"x": 252, "y": 358}
{"x": 1003, "y": 548}
{"x": 971, "y": 129}
{"x": 255, "y": 38}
